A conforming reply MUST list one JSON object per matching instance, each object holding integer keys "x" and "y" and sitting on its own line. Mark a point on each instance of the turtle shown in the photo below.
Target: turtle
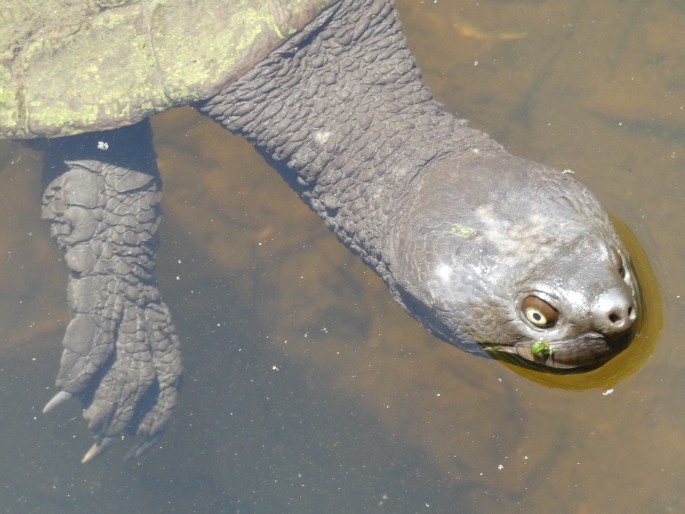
{"x": 495, "y": 254}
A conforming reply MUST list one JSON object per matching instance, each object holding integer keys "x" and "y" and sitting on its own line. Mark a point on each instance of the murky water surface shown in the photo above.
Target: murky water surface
{"x": 307, "y": 388}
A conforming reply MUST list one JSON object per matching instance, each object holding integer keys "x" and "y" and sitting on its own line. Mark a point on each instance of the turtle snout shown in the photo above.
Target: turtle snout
{"x": 614, "y": 312}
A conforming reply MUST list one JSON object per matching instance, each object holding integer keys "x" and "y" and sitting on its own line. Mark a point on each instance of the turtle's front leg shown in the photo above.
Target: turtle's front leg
{"x": 121, "y": 354}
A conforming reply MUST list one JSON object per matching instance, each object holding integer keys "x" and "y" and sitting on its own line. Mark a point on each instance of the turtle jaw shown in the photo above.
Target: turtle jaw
{"x": 567, "y": 356}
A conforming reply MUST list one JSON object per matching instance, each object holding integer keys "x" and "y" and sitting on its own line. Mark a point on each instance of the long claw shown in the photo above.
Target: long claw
{"x": 57, "y": 400}
{"x": 97, "y": 449}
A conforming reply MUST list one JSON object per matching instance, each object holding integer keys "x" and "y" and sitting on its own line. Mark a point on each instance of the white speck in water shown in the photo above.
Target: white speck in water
{"x": 607, "y": 392}
{"x": 384, "y": 498}
{"x": 103, "y": 145}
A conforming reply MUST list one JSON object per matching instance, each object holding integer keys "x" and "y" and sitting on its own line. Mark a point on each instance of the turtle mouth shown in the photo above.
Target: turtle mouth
{"x": 566, "y": 356}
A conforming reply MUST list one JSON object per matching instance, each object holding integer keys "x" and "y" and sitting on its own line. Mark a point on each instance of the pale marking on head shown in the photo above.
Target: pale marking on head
{"x": 444, "y": 272}
{"x": 510, "y": 237}
{"x": 528, "y": 238}
{"x": 450, "y": 283}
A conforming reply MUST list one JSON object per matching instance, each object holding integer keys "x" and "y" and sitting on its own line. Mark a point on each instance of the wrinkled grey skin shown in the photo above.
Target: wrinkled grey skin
{"x": 462, "y": 232}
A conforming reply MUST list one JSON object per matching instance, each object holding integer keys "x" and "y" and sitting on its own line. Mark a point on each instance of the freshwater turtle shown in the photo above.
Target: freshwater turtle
{"x": 490, "y": 252}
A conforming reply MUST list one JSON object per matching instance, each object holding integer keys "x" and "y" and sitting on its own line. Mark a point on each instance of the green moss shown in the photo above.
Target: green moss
{"x": 542, "y": 348}
{"x": 461, "y": 231}
{"x": 74, "y": 67}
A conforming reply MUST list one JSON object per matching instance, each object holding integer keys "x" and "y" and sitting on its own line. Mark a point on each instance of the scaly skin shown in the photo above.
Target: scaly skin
{"x": 487, "y": 250}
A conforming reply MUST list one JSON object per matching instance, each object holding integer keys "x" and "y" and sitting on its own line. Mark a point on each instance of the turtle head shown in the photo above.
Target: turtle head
{"x": 517, "y": 258}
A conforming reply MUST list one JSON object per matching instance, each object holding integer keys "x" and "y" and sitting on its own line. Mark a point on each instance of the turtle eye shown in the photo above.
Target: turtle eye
{"x": 539, "y": 312}
{"x": 617, "y": 261}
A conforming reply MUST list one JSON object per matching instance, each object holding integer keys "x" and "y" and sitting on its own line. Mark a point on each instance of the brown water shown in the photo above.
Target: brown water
{"x": 307, "y": 388}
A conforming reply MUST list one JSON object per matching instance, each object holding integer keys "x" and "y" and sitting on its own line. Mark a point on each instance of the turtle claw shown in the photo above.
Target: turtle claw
{"x": 57, "y": 400}
{"x": 97, "y": 449}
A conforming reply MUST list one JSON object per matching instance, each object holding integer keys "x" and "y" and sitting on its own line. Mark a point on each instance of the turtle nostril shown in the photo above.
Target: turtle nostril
{"x": 614, "y": 312}
{"x": 621, "y": 318}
